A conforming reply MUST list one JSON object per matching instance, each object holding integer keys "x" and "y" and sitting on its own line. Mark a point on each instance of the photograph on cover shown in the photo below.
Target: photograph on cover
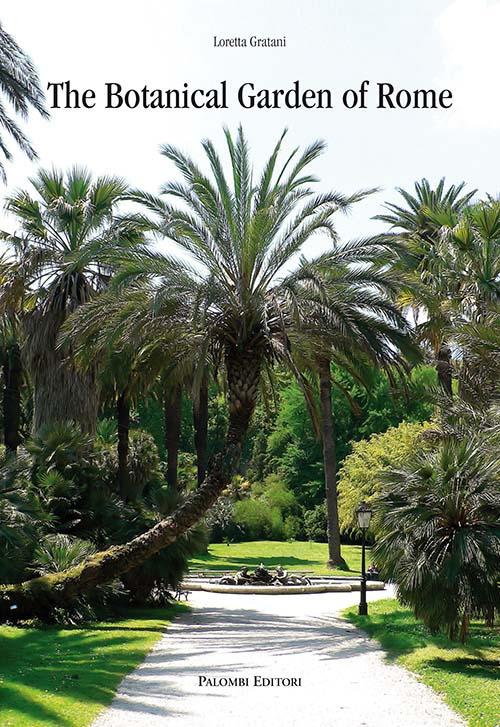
{"x": 250, "y": 363}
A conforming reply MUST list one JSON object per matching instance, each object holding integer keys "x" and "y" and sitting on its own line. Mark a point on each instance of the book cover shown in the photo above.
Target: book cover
{"x": 249, "y": 316}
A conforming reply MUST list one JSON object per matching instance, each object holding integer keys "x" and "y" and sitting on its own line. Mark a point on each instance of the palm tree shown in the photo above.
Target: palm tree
{"x": 120, "y": 381}
{"x": 480, "y": 343}
{"x": 173, "y": 412}
{"x": 470, "y": 252}
{"x": 20, "y": 85}
{"x": 67, "y": 233}
{"x": 12, "y": 305}
{"x": 439, "y": 525}
{"x": 200, "y": 422}
{"x": 373, "y": 337}
{"x": 230, "y": 292}
{"x": 417, "y": 227}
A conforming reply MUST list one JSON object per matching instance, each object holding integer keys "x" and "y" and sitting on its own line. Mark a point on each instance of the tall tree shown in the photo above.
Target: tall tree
{"x": 20, "y": 85}
{"x": 330, "y": 464}
{"x": 417, "y": 225}
{"x": 67, "y": 233}
{"x": 236, "y": 296}
{"x": 200, "y": 421}
{"x": 173, "y": 410}
{"x": 374, "y": 339}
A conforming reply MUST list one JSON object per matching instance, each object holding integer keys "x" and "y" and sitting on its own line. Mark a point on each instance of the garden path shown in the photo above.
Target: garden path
{"x": 345, "y": 680}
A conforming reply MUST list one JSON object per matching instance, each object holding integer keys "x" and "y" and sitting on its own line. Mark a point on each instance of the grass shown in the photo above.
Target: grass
{"x": 65, "y": 676}
{"x": 294, "y": 555}
{"x": 465, "y": 675}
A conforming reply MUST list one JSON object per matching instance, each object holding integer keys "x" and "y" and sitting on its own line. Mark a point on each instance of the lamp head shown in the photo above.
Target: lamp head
{"x": 364, "y": 514}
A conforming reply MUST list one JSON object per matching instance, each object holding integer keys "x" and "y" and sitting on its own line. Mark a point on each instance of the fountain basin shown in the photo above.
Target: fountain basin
{"x": 330, "y": 587}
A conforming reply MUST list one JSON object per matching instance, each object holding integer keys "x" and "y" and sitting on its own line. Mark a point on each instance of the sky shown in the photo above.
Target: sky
{"x": 330, "y": 44}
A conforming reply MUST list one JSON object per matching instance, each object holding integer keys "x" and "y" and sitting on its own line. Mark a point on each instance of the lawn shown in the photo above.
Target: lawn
{"x": 295, "y": 556}
{"x": 65, "y": 676}
{"x": 466, "y": 675}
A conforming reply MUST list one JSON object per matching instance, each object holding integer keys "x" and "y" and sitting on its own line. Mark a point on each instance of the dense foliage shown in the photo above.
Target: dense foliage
{"x": 60, "y": 503}
{"x": 440, "y": 533}
{"x": 360, "y": 477}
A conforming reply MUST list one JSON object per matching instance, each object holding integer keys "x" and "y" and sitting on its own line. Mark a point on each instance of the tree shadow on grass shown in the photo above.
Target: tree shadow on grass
{"x": 230, "y": 562}
{"x": 478, "y": 668}
{"x": 81, "y": 665}
{"x": 12, "y": 699}
{"x": 400, "y": 635}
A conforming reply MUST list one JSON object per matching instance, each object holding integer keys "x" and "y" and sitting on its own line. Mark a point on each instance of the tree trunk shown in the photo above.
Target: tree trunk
{"x": 444, "y": 369}
{"x": 123, "y": 421}
{"x": 12, "y": 375}
{"x": 200, "y": 420}
{"x": 173, "y": 410}
{"x": 38, "y": 596}
{"x": 335, "y": 559}
{"x": 60, "y": 392}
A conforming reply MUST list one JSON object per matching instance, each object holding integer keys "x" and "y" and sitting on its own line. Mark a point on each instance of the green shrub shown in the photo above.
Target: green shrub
{"x": 315, "y": 524}
{"x": 263, "y": 515}
{"x": 293, "y": 527}
{"x": 255, "y": 519}
{"x": 59, "y": 503}
{"x": 22, "y": 517}
{"x": 361, "y": 472}
{"x": 277, "y": 528}
{"x": 143, "y": 462}
{"x": 277, "y": 494}
{"x": 106, "y": 433}
{"x": 438, "y": 532}
{"x": 221, "y": 524}
{"x": 58, "y": 552}
{"x": 144, "y": 467}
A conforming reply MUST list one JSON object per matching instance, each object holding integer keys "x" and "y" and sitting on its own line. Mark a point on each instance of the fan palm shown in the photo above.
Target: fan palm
{"x": 473, "y": 254}
{"x": 22, "y": 518}
{"x": 20, "y": 85}
{"x": 231, "y": 295}
{"x": 471, "y": 272}
{"x": 67, "y": 232}
{"x": 479, "y": 341}
{"x": 440, "y": 540}
{"x": 417, "y": 227}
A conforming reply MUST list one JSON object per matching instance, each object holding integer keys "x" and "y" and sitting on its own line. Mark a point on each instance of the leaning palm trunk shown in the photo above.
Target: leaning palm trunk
{"x": 38, "y": 596}
{"x": 61, "y": 393}
{"x": 330, "y": 466}
{"x": 12, "y": 374}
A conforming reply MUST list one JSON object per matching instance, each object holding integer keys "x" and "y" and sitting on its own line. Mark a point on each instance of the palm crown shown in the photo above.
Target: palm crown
{"x": 233, "y": 291}
{"x": 20, "y": 85}
{"x": 67, "y": 232}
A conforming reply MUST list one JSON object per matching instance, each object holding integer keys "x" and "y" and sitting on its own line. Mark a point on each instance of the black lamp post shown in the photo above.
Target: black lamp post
{"x": 364, "y": 516}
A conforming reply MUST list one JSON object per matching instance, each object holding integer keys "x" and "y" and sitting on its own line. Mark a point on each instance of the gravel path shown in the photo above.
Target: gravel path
{"x": 345, "y": 681}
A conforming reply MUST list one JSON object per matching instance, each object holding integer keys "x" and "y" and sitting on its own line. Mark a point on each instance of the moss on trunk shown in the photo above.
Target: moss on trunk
{"x": 38, "y": 596}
